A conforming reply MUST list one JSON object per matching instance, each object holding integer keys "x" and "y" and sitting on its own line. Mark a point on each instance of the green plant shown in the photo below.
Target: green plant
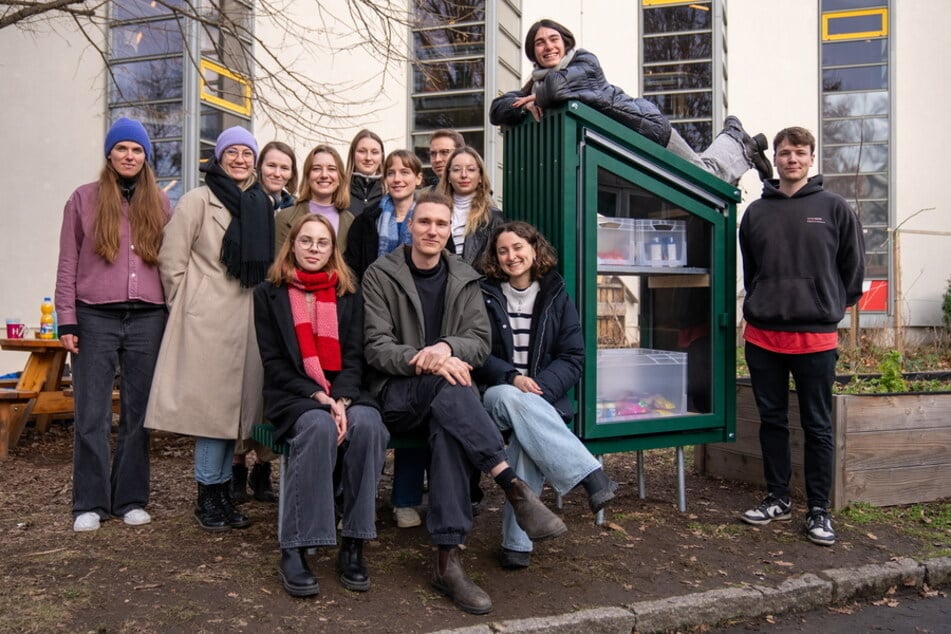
{"x": 946, "y": 306}
{"x": 891, "y": 379}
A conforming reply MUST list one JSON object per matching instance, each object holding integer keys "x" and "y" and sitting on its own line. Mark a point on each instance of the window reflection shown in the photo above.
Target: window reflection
{"x": 854, "y": 52}
{"x": 435, "y": 12}
{"x": 677, "y": 76}
{"x": 145, "y": 39}
{"x": 852, "y": 187}
{"x": 153, "y": 80}
{"x": 862, "y": 78}
{"x": 683, "y": 105}
{"x": 132, "y": 9}
{"x": 693, "y": 17}
{"x": 161, "y": 120}
{"x": 168, "y": 158}
{"x": 449, "y": 42}
{"x": 672, "y": 48}
{"x": 854, "y": 104}
{"x": 850, "y": 159}
{"x": 443, "y": 76}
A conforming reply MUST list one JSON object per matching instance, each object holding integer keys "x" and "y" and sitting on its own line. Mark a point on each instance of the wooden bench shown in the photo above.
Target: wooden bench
{"x": 16, "y": 406}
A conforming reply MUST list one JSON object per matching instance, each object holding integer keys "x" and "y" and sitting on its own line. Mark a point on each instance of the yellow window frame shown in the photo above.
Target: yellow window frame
{"x": 243, "y": 108}
{"x": 658, "y": 3}
{"x": 858, "y": 35}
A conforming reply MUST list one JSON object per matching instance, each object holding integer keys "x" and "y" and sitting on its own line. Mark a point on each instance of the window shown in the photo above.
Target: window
{"x": 152, "y": 75}
{"x": 680, "y": 63}
{"x": 462, "y": 49}
{"x": 856, "y": 131}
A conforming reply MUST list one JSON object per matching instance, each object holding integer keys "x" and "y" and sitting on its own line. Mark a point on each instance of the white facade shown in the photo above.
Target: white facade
{"x": 52, "y": 87}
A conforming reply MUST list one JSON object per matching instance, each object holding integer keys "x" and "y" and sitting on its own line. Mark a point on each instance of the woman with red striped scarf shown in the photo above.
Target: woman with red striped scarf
{"x": 309, "y": 321}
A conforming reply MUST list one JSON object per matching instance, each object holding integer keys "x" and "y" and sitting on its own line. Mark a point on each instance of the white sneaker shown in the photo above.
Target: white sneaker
{"x": 136, "y": 517}
{"x": 406, "y": 517}
{"x": 86, "y": 522}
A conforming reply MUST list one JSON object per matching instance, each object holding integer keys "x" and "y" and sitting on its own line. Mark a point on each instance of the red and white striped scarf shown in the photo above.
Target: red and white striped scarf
{"x": 313, "y": 299}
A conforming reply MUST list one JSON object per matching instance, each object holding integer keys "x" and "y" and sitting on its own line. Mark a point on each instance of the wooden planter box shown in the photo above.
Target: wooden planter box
{"x": 889, "y": 448}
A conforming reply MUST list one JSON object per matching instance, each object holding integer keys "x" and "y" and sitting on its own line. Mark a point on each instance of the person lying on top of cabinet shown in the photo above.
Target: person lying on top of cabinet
{"x": 563, "y": 72}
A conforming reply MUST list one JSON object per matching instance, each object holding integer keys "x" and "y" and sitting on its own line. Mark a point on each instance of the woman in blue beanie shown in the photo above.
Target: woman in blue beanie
{"x": 217, "y": 248}
{"x": 111, "y": 310}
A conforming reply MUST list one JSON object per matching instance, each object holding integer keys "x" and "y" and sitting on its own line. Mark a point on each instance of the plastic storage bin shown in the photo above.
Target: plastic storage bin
{"x": 639, "y": 383}
{"x": 661, "y": 242}
{"x": 616, "y": 241}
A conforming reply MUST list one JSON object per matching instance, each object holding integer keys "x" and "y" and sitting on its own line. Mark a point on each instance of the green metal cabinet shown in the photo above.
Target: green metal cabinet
{"x": 647, "y": 246}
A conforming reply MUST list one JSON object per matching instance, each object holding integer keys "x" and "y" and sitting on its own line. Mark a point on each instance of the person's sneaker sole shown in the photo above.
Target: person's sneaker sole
{"x": 755, "y": 521}
{"x": 819, "y": 541}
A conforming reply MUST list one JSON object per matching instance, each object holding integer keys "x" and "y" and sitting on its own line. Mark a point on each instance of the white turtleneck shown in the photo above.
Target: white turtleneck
{"x": 461, "y": 205}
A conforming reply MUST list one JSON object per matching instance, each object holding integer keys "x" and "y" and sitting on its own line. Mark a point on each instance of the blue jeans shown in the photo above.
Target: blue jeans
{"x": 111, "y": 340}
{"x": 308, "y": 518}
{"x": 213, "y": 458}
{"x": 814, "y": 375}
{"x": 540, "y": 448}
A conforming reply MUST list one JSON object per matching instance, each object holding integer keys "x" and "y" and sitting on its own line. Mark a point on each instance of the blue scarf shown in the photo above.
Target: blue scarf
{"x": 392, "y": 234}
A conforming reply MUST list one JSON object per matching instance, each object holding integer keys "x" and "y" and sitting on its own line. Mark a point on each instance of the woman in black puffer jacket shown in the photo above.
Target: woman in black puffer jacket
{"x": 563, "y": 72}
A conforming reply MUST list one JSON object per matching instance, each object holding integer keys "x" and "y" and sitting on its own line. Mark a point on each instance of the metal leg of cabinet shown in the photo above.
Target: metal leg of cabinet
{"x": 681, "y": 481}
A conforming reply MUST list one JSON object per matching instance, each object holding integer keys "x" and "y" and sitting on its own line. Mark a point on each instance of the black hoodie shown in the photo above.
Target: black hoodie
{"x": 803, "y": 259}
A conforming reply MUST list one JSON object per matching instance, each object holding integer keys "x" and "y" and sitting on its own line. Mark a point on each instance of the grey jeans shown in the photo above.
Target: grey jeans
{"x": 308, "y": 493}
{"x": 724, "y": 158}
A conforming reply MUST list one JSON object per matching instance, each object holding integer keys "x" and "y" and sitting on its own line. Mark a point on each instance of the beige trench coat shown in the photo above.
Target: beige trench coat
{"x": 208, "y": 378}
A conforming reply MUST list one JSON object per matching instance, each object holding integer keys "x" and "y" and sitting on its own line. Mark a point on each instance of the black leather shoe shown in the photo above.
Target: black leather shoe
{"x": 239, "y": 483}
{"x": 234, "y": 517}
{"x": 208, "y": 511}
{"x": 532, "y": 515}
{"x": 600, "y": 489}
{"x": 514, "y": 559}
{"x": 351, "y": 571}
{"x": 260, "y": 481}
{"x": 295, "y": 574}
{"x": 450, "y": 579}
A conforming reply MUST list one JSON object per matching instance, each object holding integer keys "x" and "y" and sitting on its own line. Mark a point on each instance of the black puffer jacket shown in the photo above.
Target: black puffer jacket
{"x": 365, "y": 192}
{"x": 582, "y": 79}
{"x": 556, "y": 347}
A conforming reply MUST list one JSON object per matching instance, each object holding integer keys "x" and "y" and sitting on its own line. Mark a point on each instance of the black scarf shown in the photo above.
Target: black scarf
{"x": 247, "y": 249}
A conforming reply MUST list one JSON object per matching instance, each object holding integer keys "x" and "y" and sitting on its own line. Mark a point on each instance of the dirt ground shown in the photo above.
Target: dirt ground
{"x": 170, "y": 576}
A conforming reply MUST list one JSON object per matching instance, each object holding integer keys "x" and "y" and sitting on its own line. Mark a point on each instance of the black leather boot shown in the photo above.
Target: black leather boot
{"x": 295, "y": 574}
{"x": 261, "y": 482}
{"x": 532, "y": 515}
{"x": 450, "y": 579}
{"x": 239, "y": 483}
{"x": 234, "y": 517}
{"x": 351, "y": 570}
{"x": 600, "y": 489}
{"x": 208, "y": 511}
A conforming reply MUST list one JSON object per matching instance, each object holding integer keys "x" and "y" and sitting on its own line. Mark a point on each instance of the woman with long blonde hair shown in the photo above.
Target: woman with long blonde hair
{"x": 309, "y": 323}
{"x": 109, "y": 298}
{"x": 474, "y": 217}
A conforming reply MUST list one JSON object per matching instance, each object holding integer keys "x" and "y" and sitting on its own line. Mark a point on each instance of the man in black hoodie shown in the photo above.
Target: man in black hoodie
{"x": 803, "y": 264}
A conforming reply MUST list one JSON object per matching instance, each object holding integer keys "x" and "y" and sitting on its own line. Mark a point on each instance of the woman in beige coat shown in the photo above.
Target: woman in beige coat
{"x": 208, "y": 378}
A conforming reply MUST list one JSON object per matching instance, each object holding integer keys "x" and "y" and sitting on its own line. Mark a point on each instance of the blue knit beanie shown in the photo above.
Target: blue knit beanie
{"x": 128, "y": 130}
{"x": 235, "y": 136}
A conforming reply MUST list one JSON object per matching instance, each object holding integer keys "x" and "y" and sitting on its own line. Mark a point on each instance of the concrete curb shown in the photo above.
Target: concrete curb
{"x": 797, "y": 594}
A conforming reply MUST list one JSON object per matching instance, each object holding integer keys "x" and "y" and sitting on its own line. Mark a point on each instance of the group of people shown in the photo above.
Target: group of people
{"x": 365, "y": 306}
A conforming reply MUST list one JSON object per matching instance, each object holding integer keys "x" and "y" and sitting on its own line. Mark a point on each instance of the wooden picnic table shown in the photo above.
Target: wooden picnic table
{"x": 39, "y": 391}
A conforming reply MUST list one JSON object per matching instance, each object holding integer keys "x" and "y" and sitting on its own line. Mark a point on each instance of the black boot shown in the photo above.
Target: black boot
{"x": 295, "y": 574}
{"x": 239, "y": 483}
{"x": 600, "y": 489}
{"x": 450, "y": 579}
{"x": 208, "y": 511}
{"x": 532, "y": 515}
{"x": 234, "y": 517}
{"x": 351, "y": 570}
{"x": 261, "y": 482}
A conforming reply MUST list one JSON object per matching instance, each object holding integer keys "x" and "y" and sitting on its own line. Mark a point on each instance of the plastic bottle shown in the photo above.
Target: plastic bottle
{"x": 46, "y": 319}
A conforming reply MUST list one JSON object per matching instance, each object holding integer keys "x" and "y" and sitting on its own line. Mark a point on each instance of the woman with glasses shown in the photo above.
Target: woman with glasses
{"x": 473, "y": 216}
{"x": 111, "y": 234}
{"x": 217, "y": 248}
{"x": 324, "y": 190}
{"x": 309, "y": 323}
{"x": 365, "y": 171}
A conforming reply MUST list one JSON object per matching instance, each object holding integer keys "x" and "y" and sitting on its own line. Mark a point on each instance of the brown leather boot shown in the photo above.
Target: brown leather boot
{"x": 532, "y": 515}
{"x": 450, "y": 579}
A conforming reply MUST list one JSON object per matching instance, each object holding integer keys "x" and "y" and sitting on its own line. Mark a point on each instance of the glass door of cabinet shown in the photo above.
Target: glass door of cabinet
{"x": 647, "y": 275}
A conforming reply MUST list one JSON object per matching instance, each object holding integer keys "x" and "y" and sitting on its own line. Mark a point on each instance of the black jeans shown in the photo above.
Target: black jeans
{"x": 814, "y": 374}
{"x": 461, "y": 436}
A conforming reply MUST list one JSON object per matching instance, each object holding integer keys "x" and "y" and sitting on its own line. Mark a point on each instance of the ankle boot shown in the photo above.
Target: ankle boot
{"x": 239, "y": 483}
{"x": 261, "y": 482}
{"x": 351, "y": 570}
{"x": 295, "y": 574}
{"x": 450, "y": 579}
{"x": 600, "y": 489}
{"x": 234, "y": 517}
{"x": 532, "y": 515}
{"x": 208, "y": 511}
